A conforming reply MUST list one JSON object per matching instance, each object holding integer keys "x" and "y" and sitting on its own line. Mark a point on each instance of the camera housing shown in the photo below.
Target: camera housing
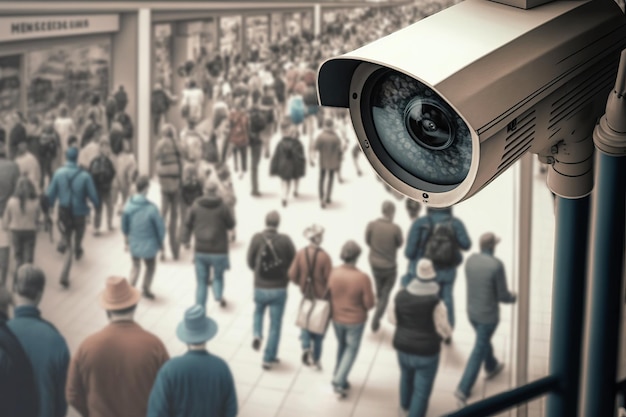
{"x": 442, "y": 107}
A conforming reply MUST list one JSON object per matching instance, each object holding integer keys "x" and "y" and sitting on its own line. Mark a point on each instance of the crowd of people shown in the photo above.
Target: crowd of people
{"x": 54, "y": 176}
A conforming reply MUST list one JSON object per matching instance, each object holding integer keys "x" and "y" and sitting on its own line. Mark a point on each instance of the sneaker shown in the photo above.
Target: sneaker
{"x": 256, "y": 343}
{"x": 222, "y": 303}
{"x": 266, "y": 365}
{"x": 341, "y": 393}
{"x": 492, "y": 374}
{"x": 461, "y": 399}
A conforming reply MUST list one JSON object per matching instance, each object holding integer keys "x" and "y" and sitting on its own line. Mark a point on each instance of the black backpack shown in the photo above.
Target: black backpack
{"x": 441, "y": 246}
{"x": 102, "y": 172}
{"x": 268, "y": 263}
{"x": 258, "y": 120}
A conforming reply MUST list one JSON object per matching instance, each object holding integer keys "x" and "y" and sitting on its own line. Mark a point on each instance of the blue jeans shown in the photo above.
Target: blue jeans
{"x": 204, "y": 262}
{"x": 445, "y": 278}
{"x": 417, "y": 375}
{"x": 275, "y": 299}
{"x": 349, "y": 337}
{"x": 482, "y": 352}
{"x": 307, "y": 338}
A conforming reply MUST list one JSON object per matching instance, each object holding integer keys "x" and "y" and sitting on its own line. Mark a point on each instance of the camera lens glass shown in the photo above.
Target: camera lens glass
{"x": 419, "y": 130}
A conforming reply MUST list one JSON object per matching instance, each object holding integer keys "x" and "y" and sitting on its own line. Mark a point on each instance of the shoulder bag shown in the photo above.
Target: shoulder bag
{"x": 313, "y": 314}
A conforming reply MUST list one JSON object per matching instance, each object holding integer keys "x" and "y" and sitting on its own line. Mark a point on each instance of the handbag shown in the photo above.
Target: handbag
{"x": 313, "y": 314}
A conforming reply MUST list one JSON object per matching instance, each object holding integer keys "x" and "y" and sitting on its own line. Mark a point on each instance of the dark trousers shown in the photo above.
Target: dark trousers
{"x": 148, "y": 275}
{"x": 385, "y": 279}
{"x": 255, "y": 153}
{"x": 171, "y": 200}
{"x": 73, "y": 234}
{"x": 242, "y": 151}
{"x": 23, "y": 247}
{"x": 46, "y": 171}
{"x": 329, "y": 185}
{"x": 105, "y": 200}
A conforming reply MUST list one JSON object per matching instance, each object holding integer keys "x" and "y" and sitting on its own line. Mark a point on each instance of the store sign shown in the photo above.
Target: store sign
{"x": 33, "y": 27}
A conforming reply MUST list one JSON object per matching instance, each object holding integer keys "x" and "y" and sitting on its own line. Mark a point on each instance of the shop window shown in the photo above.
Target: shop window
{"x": 163, "y": 55}
{"x": 257, "y": 37}
{"x": 68, "y": 75}
{"x": 230, "y": 35}
{"x": 9, "y": 85}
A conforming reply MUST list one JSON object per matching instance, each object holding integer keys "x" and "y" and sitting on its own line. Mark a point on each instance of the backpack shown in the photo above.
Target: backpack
{"x": 102, "y": 172}
{"x": 297, "y": 109}
{"x": 258, "y": 120}
{"x": 190, "y": 190}
{"x": 193, "y": 145}
{"x": 268, "y": 263}
{"x": 238, "y": 135}
{"x": 116, "y": 139}
{"x": 127, "y": 125}
{"x": 441, "y": 246}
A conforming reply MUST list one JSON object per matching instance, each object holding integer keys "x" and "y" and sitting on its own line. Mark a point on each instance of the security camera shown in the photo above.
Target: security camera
{"x": 444, "y": 106}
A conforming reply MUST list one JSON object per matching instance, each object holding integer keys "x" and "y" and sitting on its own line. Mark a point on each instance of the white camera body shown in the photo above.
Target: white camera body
{"x": 474, "y": 87}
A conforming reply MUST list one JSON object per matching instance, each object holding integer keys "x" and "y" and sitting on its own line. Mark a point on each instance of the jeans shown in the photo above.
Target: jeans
{"x": 309, "y": 338}
{"x": 445, "y": 279}
{"x": 204, "y": 262}
{"x": 329, "y": 186}
{"x": 349, "y": 337}
{"x": 106, "y": 199}
{"x": 482, "y": 352}
{"x": 417, "y": 376}
{"x": 149, "y": 274}
{"x": 242, "y": 151}
{"x": 171, "y": 200}
{"x": 77, "y": 231}
{"x": 385, "y": 279}
{"x": 275, "y": 299}
{"x": 23, "y": 247}
{"x": 255, "y": 153}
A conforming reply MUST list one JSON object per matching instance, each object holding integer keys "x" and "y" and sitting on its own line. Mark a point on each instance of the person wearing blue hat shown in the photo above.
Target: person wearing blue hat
{"x": 198, "y": 383}
{"x": 73, "y": 187}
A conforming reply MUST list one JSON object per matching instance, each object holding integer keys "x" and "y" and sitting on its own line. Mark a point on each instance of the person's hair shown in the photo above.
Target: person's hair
{"x": 92, "y": 116}
{"x": 63, "y": 111}
{"x": 30, "y": 281}
{"x": 388, "y": 208}
{"x": 143, "y": 181}
{"x": 24, "y": 190}
{"x": 95, "y": 100}
{"x": 72, "y": 140}
{"x": 350, "y": 258}
{"x": 272, "y": 219}
{"x": 169, "y": 131}
{"x": 192, "y": 84}
{"x": 413, "y": 207}
{"x": 329, "y": 123}
{"x": 123, "y": 311}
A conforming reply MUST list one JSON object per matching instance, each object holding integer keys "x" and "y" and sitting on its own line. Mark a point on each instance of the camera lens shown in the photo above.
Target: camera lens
{"x": 416, "y": 131}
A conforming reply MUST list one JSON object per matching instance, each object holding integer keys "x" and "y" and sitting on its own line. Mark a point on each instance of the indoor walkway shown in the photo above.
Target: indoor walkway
{"x": 290, "y": 389}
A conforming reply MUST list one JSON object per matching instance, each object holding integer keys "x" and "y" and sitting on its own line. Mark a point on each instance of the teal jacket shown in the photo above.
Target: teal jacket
{"x": 74, "y": 197}
{"x": 143, "y": 225}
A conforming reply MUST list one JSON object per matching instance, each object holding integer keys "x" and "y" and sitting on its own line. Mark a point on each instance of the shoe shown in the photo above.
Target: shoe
{"x": 255, "y": 194}
{"x": 448, "y": 340}
{"x": 359, "y": 173}
{"x": 323, "y": 204}
{"x": 340, "y": 180}
{"x": 78, "y": 254}
{"x": 266, "y": 365}
{"x": 341, "y": 393}
{"x": 61, "y": 247}
{"x": 317, "y": 365}
{"x": 328, "y": 200}
{"x": 461, "y": 399}
{"x": 65, "y": 284}
{"x": 499, "y": 367}
{"x": 375, "y": 326}
{"x": 284, "y": 203}
{"x": 96, "y": 233}
{"x": 306, "y": 357}
{"x": 256, "y": 344}
{"x": 175, "y": 255}
{"x": 295, "y": 193}
{"x": 403, "y": 413}
{"x": 222, "y": 303}
{"x": 147, "y": 294}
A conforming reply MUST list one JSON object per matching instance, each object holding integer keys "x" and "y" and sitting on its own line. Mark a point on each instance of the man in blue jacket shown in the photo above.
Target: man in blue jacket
{"x": 44, "y": 345}
{"x": 420, "y": 231}
{"x": 144, "y": 231}
{"x": 196, "y": 384}
{"x": 72, "y": 186}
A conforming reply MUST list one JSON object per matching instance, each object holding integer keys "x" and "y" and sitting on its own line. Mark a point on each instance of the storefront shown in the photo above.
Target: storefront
{"x": 46, "y": 62}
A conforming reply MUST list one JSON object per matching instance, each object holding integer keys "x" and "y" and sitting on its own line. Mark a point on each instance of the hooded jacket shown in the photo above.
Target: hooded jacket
{"x": 144, "y": 226}
{"x": 210, "y": 220}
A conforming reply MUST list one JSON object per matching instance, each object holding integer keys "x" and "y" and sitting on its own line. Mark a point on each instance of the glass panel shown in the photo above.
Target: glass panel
{"x": 9, "y": 85}
{"x": 230, "y": 35}
{"x": 163, "y": 55}
{"x": 257, "y": 37}
{"x": 68, "y": 74}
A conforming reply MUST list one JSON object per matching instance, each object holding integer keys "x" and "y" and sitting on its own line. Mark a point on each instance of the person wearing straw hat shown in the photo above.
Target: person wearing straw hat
{"x": 17, "y": 379}
{"x": 45, "y": 347}
{"x": 421, "y": 325}
{"x": 198, "y": 383}
{"x": 351, "y": 296}
{"x": 486, "y": 289}
{"x": 269, "y": 255}
{"x": 312, "y": 262}
{"x": 113, "y": 370}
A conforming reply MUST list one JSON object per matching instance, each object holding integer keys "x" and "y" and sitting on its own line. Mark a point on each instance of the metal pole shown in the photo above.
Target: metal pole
{"x": 608, "y": 253}
{"x": 570, "y": 268}
{"x": 524, "y": 248}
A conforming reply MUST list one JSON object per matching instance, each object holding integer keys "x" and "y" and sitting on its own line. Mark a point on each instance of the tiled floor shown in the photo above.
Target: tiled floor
{"x": 291, "y": 389}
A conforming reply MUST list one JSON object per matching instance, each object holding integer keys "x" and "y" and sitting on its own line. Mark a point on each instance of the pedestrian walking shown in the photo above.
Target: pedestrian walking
{"x": 17, "y": 378}
{"x": 486, "y": 288}
{"x": 21, "y": 218}
{"x": 65, "y": 127}
{"x": 191, "y": 189}
{"x": 9, "y": 175}
{"x": 421, "y": 324}
{"x": 413, "y": 209}
{"x": 49, "y": 149}
{"x": 198, "y": 383}
{"x": 238, "y": 135}
{"x": 89, "y": 151}
{"x": 209, "y": 220}
{"x": 126, "y": 175}
{"x": 384, "y": 238}
{"x": 440, "y": 236}
{"x": 169, "y": 164}
{"x": 113, "y": 370}
{"x": 192, "y": 142}
{"x": 73, "y": 186}
{"x": 270, "y": 105}
{"x": 18, "y": 133}
{"x": 257, "y": 128}
{"x": 28, "y": 164}
{"x": 288, "y": 161}
{"x": 351, "y": 298}
{"x": 329, "y": 148}
{"x": 269, "y": 255}
{"x": 45, "y": 347}
{"x": 102, "y": 170}
{"x": 144, "y": 232}
{"x": 192, "y": 102}
{"x": 310, "y": 270}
